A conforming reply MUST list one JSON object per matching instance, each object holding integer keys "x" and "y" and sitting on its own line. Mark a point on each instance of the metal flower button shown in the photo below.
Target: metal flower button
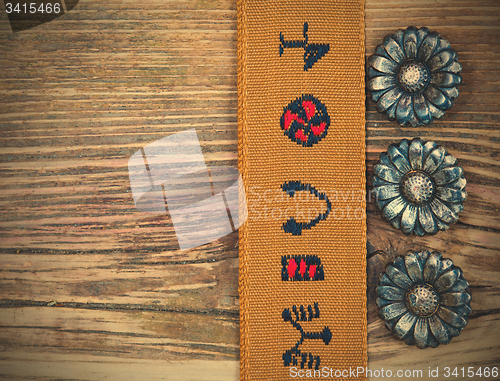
{"x": 424, "y": 299}
{"x": 413, "y": 76}
{"x": 418, "y": 187}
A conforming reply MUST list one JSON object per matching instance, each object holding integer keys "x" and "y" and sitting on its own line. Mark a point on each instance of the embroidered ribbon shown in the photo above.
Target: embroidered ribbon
{"x": 301, "y": 154}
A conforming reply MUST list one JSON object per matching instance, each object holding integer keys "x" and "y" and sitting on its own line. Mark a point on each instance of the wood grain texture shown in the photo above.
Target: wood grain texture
{"x": 91, "y": 288}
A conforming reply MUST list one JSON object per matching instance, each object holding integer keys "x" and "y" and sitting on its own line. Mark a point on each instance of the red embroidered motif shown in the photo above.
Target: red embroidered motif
{"x": 301, "y": 268}
{"x": 310, "y": 109}
{"x": 292, "y": 267}
{"x": 300, "y": 135}
{"x": 305, "y": 120}
{"x": 318, "y": 130}
{"x": 312, "y": 271}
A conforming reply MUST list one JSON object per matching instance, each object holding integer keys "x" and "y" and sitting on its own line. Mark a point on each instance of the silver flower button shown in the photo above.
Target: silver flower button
{"x": 424, "y": 299}
{"x": 413, "y": 76}
{"x": 418, "y": 187}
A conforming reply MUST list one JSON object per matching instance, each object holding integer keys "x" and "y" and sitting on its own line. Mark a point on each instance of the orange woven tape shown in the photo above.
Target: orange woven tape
{"x": 302, "y": 156}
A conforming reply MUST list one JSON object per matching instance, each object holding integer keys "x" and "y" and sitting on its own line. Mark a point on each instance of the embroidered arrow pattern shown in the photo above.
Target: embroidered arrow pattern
{"x": 312, "y": 52}
{"x": 295, "y": 316}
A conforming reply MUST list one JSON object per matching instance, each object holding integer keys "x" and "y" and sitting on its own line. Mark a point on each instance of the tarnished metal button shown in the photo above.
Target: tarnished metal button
{"x": 413, "y": 76}
{"x": 418, "y": 187}
{"x": 424, "y": 299}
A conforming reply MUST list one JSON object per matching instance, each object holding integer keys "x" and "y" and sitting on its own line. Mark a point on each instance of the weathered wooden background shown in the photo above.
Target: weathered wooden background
{"x": 91, "y": 288}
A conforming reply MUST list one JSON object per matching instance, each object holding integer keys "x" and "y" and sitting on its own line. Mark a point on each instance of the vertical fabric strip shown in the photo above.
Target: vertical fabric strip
{"x": 301, "y": 153}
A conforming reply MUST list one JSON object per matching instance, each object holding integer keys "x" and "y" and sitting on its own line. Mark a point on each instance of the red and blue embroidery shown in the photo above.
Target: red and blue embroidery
{"x": 301, "y": 268}
{"x": 305, "y": 120}
{"x": 312, "y": 52}
{"x": 292, "y": 356}
{"x": 291, "y": 225}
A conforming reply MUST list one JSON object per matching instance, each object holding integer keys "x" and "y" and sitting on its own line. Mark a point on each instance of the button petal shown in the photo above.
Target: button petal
{"x": 409, "y": 218}
{"x": 441, "y": 60}
{"x": 394, "y": 208}
{"x": 426, "y": 220}
{"x": 382, "y": 82}
{"x": 453, "y": 67}
{"x": 461, "y": 286}
{"x": 391, "y": 293}
{"x": 404, "y": 109}
{"x": 428, "y": 46}
{"x": 413, "y": 268}
{"x": 437, "y": 97}
{"x": 410, "y": 42}
{"x": 386, "y": 192}
{"x": 432, "y": 267}
{"x": 446, "y": 280}
{"x": 404, "y": 325}
{"x": 454, "y": 299}
{"x": 394, "y": 50}
{"x": 398, "y": 159}
{"x": 443, "y": 212}
{"x": 434, "y": 160}
{"x": 393, "y": 311}
{"x": 451, "y": 317}
{"x": 443, "y": 79}
{"x": 383, "y": 64}
{"x": 447, "y": 175}
{"x": 387, "y": 173}
{"x": 439, "y": 330}
{"x": 421, "y": 333}
{"x": 435, "y": 112}
{"x": 421, "y": 107}
{"x": 451, "y": 195}
{"x": 389, "y": 99}
{"x": 398, "y": 277}
{"x": 415, "y": 153}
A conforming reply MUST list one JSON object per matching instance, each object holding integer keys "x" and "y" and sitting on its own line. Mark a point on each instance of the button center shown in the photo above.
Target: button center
{"x": 413, "y": 76}
{"x": 422, "y": 300}
{"x": 418, "y": 187}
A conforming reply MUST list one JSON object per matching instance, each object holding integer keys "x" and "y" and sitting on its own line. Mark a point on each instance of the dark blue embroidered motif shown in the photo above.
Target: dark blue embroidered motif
{"x": 291, "y": 356}
{"x": 291, "y": 225}
{"x": 301, "y": 267}
{"x": 305, "y": 120}
{"x": 312, "y": 52}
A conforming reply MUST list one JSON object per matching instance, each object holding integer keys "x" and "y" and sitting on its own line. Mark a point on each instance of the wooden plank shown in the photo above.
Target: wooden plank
{"x": 40, "y": 366}
{"x": 203, "y": 286}
{"x": 167, "y": 336}
{"x": 92, "y": 288}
